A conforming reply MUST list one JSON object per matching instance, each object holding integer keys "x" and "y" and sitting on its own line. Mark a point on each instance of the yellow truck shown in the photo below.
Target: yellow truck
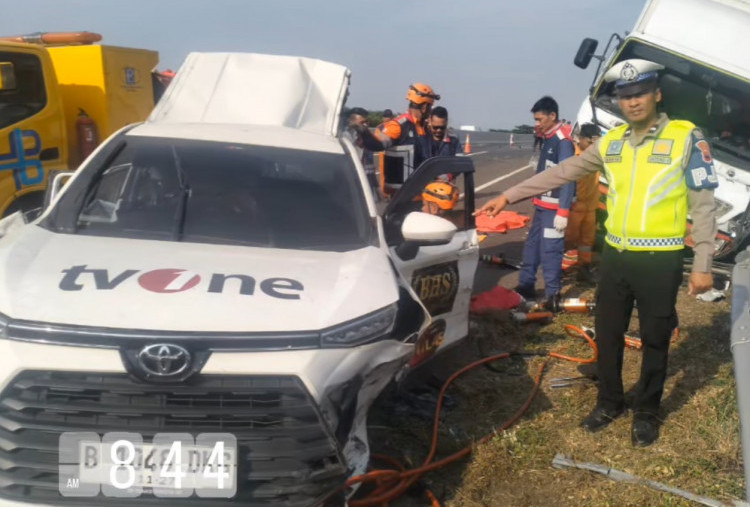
{"x": 60, "y": 94}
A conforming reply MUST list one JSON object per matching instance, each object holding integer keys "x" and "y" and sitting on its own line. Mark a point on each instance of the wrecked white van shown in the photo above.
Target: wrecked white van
{"x": 219, "y": 269}
{"x": 703, "y": 47}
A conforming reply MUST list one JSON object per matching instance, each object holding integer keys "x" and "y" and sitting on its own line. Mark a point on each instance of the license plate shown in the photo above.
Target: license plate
{"x": 154, "y": 465}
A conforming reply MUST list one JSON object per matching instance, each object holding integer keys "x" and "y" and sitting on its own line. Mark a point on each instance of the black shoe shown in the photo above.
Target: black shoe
{"x": 599, "y": 418}
{"x": 585, "y": 274}
{"x": 552, "y": 303}
{"x": 645, "y": 430}
{"x": 528, "y": 293}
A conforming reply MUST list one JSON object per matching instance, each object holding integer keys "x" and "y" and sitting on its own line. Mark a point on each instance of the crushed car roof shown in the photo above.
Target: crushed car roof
{"x": 277, "y": 137}
{"x": 297, "y": 93}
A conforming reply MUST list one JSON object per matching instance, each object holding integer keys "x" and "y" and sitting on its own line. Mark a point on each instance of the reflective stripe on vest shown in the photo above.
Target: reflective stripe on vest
{"x": 647, "y": 199}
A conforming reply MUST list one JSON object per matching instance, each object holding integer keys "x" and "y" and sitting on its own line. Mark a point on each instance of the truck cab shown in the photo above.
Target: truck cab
{"x": 706, "y": 80}
{"x": 58, "y": 97}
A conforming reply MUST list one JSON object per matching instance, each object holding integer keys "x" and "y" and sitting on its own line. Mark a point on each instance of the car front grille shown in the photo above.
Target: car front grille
{"x": 286, "y": 456}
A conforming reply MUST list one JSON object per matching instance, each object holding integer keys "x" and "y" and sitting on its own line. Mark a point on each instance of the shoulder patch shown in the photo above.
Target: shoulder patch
{"x": 705, "y": 150}
{"x": 700, "y": 173}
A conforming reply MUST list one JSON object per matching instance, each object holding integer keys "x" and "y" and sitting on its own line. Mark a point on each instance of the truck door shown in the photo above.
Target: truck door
{"x": 442, "y": 276}
{"x": 32, "y": 136}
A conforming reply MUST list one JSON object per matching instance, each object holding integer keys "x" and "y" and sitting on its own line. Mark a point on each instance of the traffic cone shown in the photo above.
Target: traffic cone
{"x": 467, "y": 145}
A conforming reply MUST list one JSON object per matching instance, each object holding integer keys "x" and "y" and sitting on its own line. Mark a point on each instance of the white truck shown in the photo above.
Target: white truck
{"x": 213, "y": 297}
{"x": 703, "y": 47}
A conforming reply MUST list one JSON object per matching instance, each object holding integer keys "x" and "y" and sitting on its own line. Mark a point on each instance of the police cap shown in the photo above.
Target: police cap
{"x": 634, "y": 76}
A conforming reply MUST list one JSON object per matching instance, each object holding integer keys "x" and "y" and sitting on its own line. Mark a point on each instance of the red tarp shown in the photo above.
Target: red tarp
{"x": 498, "y": 298}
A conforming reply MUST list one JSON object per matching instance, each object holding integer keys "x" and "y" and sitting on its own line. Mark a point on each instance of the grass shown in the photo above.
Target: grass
{"x": 698, "y": 450}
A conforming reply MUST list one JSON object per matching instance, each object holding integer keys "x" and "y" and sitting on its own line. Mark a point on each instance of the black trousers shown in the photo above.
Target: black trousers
{"x": 651, "y": 280}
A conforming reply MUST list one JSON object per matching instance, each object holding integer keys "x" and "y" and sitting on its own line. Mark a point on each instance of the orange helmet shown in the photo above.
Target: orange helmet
{"x": 420, "y": 93}
{"x": 442, "y": 193}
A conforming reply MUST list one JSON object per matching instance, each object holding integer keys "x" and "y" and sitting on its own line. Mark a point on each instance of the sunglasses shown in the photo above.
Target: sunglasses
{"x": 435, "y": 127}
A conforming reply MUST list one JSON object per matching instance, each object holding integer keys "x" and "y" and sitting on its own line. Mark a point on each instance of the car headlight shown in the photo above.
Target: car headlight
{"x": 375, "y": 325}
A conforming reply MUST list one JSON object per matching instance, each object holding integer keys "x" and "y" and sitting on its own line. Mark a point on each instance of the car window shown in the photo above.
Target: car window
{"x": 210, "y": 192}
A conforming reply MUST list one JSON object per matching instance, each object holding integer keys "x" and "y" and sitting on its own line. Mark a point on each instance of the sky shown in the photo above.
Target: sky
{"x": 490, "y": 60}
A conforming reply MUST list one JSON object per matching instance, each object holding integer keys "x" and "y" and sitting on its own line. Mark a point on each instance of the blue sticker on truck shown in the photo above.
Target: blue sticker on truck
{"x": 20, "y": 160}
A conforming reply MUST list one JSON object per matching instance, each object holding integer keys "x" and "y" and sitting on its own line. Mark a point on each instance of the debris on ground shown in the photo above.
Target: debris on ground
{"x": 698, "y": 449}
{"x": 562, "y": 462}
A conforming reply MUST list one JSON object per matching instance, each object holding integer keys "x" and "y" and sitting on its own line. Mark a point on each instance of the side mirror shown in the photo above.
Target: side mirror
{"x": 7, "y": 76}
{"x": 585, "y": 52}
{"x": 423, "y": 229}
{"x": 56, "y": 182}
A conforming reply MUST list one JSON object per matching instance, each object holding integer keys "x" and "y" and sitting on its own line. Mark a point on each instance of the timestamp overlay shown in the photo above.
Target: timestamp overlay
{"x": 128, "y": 465}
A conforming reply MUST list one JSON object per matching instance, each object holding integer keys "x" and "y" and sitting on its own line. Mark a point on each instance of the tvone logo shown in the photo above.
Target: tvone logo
{"x": 167, "y": 281}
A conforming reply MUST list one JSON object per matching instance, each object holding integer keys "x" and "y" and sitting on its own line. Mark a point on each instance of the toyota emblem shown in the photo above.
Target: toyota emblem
{"x": 164, "y": 360}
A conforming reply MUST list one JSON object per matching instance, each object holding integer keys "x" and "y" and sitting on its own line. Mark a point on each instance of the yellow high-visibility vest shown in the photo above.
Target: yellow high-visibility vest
{"x": 647, "y": 203}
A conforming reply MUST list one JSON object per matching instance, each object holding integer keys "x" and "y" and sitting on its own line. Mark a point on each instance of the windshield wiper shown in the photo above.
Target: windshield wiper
{"x": 185, "y": 191}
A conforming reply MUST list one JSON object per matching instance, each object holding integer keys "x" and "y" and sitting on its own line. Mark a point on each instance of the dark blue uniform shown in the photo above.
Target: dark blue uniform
{"x": 426, "y": 147}
{"x": 545, "y": 245}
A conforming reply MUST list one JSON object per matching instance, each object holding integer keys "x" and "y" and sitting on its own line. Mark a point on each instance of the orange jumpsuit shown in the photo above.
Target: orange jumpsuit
{"x": 581, "y": 230}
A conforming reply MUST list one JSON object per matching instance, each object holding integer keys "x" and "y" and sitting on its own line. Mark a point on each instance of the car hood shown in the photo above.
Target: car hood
{"x": 162, "y": 285}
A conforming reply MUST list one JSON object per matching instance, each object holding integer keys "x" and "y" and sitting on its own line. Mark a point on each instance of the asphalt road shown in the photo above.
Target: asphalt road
{"x": 500, "y": 166}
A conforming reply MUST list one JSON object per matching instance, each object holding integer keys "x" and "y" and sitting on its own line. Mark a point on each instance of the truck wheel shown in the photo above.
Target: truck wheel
{"x": 29, "y": 204}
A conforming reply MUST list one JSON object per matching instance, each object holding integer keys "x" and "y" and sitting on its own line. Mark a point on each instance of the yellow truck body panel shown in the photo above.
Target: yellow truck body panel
{"x": 111, "y": 84}
{"x": 38, "y": 116}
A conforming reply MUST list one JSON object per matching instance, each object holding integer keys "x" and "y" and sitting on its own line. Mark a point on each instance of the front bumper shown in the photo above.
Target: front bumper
{"x": 299, "y": 416}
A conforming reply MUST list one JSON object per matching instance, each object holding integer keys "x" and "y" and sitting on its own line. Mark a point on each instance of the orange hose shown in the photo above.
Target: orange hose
{"x": 576, "y": 332}
{"x": 434, "y": 502}
{"x": 400, "y": 480}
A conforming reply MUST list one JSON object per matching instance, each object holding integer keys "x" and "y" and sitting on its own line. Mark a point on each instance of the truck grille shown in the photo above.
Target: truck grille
{"x": 286, "y": 457}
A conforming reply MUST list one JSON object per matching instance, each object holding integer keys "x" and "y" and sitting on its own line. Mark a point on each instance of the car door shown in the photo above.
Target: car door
{"x": 442, "y": 276}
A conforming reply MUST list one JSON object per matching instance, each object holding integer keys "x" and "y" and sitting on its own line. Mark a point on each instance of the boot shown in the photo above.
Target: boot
{"x": 585, "y": 274}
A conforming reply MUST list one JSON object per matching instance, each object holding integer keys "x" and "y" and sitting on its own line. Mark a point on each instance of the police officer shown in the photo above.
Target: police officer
{"x": 658, "y": 170}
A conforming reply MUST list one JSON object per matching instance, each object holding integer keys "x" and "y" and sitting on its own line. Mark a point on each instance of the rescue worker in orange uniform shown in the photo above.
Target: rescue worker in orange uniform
{"x": 399, "y": 135}
{"x": 406, "y": 127}
{"x": 581, "y": 231}
{"x": 439, "y": 198}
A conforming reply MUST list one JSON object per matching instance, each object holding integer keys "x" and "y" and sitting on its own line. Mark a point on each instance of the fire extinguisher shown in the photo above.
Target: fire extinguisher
{"x": 88, "y": 135}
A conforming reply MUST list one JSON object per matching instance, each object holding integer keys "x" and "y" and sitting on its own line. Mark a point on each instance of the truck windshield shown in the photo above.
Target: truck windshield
{"x": 211, "y": 192}
{"x": 29, "y": 96}
{"x": 718, "y": 103}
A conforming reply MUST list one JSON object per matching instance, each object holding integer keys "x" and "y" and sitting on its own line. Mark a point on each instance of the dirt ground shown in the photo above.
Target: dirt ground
{"x": 698, "y": 450}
